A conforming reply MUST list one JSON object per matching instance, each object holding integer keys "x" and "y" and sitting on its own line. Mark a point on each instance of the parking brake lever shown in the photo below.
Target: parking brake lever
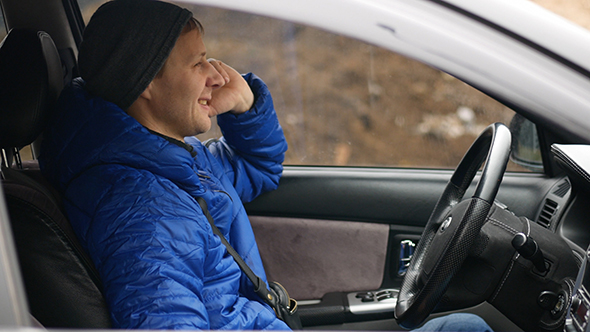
{"x": 529, "y": 249}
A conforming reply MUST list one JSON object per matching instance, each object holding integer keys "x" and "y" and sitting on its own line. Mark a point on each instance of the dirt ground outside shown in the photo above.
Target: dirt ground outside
{"x": 577, "y": 11}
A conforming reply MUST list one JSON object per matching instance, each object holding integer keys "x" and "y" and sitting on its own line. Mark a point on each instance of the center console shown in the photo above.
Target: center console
{"x": 579, "y": 312}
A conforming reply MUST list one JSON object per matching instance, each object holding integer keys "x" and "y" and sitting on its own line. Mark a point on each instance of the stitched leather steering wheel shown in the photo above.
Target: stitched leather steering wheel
{"x": 453, "y": 226}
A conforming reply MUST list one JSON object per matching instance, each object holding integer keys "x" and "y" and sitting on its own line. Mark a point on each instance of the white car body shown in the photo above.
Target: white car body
{"x": 513, "y": 50}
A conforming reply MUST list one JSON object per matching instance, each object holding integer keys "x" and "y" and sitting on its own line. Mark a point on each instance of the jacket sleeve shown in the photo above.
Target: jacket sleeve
{"x": 253, "y": 145}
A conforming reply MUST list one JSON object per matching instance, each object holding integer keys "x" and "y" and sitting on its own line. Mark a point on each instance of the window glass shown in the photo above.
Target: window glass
{"x": 2, "y": 25}
{"x": 343, "y": 102}
{"x": 88, "y": 7}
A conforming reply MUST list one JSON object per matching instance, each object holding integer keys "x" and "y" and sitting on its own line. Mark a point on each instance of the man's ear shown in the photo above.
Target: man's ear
{"x": 147, "y": 93}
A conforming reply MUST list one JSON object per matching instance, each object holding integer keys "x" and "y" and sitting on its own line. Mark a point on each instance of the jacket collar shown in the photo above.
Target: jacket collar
{"x": 89, "y": 131}
{"x": 174, "y": 141}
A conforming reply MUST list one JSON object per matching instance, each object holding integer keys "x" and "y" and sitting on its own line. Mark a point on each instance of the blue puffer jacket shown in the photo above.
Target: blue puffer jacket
{"x": 130, "y": 195}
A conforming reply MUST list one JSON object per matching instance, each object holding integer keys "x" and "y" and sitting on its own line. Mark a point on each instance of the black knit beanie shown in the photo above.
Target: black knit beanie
{"x": 126, "y": 44}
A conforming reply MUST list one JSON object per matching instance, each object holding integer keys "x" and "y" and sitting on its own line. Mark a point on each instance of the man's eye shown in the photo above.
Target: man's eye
{"x": 198, "y": 64}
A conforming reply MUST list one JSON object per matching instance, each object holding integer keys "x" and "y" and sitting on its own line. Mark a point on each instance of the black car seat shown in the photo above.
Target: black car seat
{"x": 63, "y": 288}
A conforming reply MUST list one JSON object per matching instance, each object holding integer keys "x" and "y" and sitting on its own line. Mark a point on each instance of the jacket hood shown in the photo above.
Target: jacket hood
{"x": 71, "y": 144}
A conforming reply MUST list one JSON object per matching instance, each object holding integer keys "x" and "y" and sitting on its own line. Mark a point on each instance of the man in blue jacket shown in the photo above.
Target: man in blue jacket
{"x": 122, "y": 152}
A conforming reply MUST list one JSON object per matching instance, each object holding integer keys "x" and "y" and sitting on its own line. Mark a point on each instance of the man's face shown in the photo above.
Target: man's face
{"x": 182, "y": 90}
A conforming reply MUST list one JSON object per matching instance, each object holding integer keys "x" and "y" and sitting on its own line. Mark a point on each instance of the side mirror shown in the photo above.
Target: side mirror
{"x": 525, "y": 144}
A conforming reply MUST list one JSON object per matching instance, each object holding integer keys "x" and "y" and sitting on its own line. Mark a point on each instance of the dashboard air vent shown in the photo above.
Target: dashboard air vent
{"x": 549, "y": 209}
{"x": 562, "y": 189}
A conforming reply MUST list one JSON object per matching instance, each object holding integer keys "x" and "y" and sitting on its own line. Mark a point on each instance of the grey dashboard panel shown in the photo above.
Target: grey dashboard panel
{"x": 573, "y": 158}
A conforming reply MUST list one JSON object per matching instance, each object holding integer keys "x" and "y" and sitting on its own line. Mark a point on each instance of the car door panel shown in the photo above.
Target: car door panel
{"x": 328, "y": 255}
{"x": 391, "y": 196}
{"x": 327, "y": 232}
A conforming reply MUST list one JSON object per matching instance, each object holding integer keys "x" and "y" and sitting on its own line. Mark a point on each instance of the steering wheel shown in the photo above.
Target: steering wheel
{"x": 453, "y": 226}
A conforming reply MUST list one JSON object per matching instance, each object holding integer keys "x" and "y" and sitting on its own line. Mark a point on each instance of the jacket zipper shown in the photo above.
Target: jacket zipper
{"x": 215, "y": 190}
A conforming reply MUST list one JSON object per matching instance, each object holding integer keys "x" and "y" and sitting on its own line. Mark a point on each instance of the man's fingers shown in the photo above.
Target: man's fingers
{"x": 220, "y": 67}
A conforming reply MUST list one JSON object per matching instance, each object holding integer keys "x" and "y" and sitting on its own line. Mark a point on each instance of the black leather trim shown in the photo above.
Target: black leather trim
{"x": 30, "y": 82}
{"x": 62, "y": 285}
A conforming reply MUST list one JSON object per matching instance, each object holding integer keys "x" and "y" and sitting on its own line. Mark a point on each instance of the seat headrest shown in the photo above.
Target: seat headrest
{"x": 30, "y": 81}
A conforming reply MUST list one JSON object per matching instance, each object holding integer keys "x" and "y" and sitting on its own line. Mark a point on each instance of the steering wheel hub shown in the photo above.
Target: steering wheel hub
{"x": 445, "y": 224}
